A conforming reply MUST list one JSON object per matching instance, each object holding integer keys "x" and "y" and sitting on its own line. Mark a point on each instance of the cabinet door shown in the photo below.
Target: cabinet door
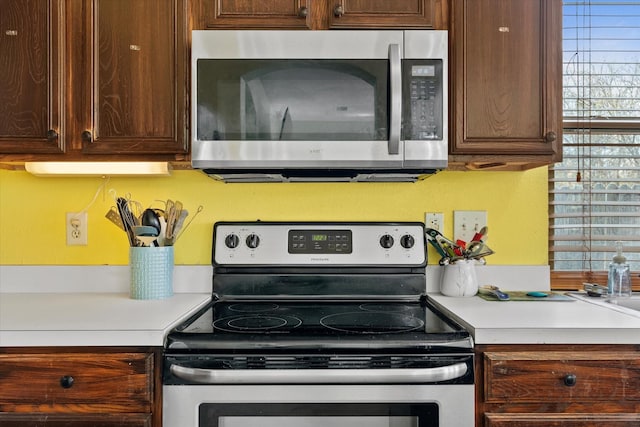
{"x": 382, "y": 13}
{"x": 238, "y": 14}
{"x": 31, "y": 76}
{"x": 506, "y": 75}
{"x": 133, "y": 98}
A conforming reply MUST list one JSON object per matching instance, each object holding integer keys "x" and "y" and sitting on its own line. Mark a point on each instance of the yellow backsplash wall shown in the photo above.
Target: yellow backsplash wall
{"x": 32, "y": 211}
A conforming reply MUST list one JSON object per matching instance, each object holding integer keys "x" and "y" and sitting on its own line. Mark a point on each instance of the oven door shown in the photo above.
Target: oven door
{"x": 319, "y": 405}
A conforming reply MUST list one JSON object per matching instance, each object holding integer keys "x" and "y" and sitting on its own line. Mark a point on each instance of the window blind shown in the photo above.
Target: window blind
{"x": 594, "y": 194}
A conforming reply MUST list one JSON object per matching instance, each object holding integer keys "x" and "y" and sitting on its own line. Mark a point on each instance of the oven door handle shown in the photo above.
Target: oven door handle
{"x": 320, "y": 376}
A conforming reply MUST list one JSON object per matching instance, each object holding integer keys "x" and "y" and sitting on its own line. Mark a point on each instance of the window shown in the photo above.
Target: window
{"x": 594, "y": 194}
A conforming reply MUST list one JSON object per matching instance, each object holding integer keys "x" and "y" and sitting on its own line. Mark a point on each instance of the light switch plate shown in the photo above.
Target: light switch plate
{"x": 467, "y": 223}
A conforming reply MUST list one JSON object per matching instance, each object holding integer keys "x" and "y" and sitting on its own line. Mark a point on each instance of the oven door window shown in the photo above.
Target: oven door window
{"x": 303, "y": 100}
{"x": 318, "y": 415}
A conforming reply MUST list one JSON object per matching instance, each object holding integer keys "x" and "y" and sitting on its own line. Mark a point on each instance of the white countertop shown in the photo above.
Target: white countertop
{"x": 539, "y": 322}
{"x": 91, "y": 319}
{"x": 59, "y": 306}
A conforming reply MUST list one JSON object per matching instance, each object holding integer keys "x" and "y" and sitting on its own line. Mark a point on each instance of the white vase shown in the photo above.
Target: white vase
{"x": 459, "y": 279}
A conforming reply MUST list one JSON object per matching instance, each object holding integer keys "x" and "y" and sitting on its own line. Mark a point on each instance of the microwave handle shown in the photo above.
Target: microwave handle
{"x": 395, "y": 82}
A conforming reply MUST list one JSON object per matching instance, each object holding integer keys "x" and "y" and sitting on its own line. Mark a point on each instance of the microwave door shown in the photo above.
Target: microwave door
{"x": 328, "y": 101}
{"x": 299, "y": 113}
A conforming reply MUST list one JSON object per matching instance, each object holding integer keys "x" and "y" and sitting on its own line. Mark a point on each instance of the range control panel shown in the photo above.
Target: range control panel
{"x": 320, "y": 241}
{"x": 293, "y": 244}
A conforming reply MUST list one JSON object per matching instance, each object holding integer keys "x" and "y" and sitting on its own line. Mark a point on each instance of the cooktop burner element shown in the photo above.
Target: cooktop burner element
{"x": 256, "y": 323}
{"x": 371, "y": 322}
{"x": 253, "y": 307}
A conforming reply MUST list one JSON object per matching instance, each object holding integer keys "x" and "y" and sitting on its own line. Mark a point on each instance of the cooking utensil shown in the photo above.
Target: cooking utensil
{"x": 150, "y": 218}
{"x": 128, "y": 220}
{"x": 176, "y": 226}
{"x": 449, "y": 250}
{"x": 171, "y": 215}
{"x": 181, "y": 229}
{"x": 113, "y": 216}
{"x": 146, "y": 234}
{"x": 480, "y": 234}
{"x": 495, "y": 291}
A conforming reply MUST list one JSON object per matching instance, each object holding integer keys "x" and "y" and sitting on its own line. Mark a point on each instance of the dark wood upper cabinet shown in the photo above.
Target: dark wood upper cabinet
{"x": 506, "y": 80}
{"x": 94, "y": 80}
{"x": 282, "y": 14}
{"x": 319, "y": 14}
{"x": 136, "y": 80}
{"x": 382, "y": 13}
{"x": 31, "y": 75}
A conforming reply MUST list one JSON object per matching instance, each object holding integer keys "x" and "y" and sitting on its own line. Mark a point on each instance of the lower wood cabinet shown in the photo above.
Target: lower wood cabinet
{"x": 558, "y": 386}
{"x": 100, "y": 387}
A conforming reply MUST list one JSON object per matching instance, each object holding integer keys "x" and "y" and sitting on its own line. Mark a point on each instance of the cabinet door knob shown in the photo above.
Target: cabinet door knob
{"x": 338, "y": 11}
{"x": 66, "y": 381}
{"x": 303, "y": 11}
{"x": 570, "y": 380}
{"x": 86, "y": 136}
{"x": 550, "y": 136}
{"x": 52, "y": 135}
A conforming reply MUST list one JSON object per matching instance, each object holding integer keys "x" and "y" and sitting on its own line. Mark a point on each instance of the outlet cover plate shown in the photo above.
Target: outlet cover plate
{"x": 76, "y": 228}
{"x": 434, "y": 220}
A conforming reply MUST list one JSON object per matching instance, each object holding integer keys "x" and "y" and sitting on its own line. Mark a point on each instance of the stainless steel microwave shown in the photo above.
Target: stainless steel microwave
{"x": 319, "y": 105}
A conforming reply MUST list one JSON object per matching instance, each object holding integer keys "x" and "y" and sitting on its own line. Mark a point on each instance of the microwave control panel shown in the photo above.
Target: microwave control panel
{"x": 423, "y": 86}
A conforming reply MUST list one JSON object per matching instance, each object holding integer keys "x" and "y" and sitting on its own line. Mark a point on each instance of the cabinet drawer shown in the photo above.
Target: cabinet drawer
{"x": 561, "y": 376}
{"x": 76, "y": 382}
{"x": 561, "y": 420}
{"x": 64, "y": 420}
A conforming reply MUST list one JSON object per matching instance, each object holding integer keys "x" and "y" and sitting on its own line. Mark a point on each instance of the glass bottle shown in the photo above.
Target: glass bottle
{"x": 619, "y": 278}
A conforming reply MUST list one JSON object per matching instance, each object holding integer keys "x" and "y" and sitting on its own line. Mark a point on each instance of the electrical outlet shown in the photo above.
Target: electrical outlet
{"x": 76, "y": 227}
{"x": 434, "y": 220}
{"x": 467, "y": 223}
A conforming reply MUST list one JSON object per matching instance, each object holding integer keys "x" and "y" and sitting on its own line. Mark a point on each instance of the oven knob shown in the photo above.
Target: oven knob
{"x": 253, "y": 241}
{"x": 231, "y": 241}
{"x": 407, "y": 241}
{"x": 386, "y": 241}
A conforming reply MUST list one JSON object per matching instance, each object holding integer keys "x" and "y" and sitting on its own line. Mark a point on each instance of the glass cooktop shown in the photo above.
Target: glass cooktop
{"x": 289, "y": 325}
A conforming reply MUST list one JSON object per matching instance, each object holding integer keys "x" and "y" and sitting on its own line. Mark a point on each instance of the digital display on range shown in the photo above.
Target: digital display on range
{"x": 320, "y": 242}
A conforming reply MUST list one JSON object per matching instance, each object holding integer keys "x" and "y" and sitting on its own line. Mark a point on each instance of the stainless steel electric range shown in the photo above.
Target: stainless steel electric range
{"x": 318, "y": 324}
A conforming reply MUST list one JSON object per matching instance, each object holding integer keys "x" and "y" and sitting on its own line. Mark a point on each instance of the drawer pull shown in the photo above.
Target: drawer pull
{"x": 570, "y": 380}
{"x": 87, "y": 137}
{"x": 66, "y": 381}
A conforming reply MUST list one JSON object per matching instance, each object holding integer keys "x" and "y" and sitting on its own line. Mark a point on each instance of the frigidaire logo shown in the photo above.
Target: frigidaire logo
{"x": 319, "y": 259}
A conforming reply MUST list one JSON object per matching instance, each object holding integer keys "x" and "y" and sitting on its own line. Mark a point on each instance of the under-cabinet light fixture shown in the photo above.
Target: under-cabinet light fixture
{"x": 98, "y": 168}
